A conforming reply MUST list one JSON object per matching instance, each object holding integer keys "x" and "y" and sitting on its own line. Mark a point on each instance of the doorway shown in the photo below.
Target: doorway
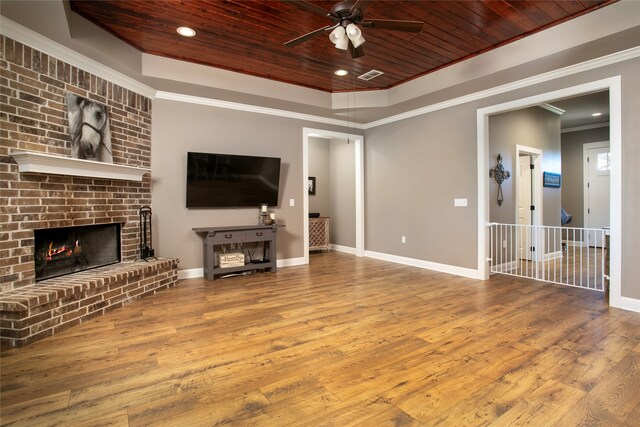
{"x": 614, "y": 87}
{"x": 528, "y": 200}
{"x": 525, "y": 207}
{"x": 358, "y": 165}
{"x": 596, "y": 175}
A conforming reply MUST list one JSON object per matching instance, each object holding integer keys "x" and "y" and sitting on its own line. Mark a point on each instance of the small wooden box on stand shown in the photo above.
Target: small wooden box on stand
{"x": 232, "y": 259}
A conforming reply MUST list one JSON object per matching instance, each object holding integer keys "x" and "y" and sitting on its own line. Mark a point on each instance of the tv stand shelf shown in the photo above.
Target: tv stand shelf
{"x": 218, "y": 236}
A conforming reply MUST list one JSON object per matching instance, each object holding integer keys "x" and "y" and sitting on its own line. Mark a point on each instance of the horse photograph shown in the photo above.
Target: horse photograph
{"x": 89, "y": 129}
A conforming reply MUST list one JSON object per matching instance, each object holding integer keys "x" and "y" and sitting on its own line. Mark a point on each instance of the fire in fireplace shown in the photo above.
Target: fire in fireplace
{"x": 65, "y": 250}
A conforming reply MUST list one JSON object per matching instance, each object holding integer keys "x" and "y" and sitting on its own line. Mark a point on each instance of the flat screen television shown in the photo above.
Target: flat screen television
{"x": 231, "y": 181}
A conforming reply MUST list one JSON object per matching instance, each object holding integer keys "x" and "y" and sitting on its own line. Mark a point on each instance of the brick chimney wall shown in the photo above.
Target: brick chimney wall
{"x": 33, "y": 117}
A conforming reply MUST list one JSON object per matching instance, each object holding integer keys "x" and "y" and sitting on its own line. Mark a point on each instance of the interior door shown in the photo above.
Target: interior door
{"x": 597, "y": 204}
{"x": 524, "y": 207}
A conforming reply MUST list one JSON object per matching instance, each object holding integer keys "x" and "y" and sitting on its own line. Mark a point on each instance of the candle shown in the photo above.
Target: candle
{"x": 272, "y": 216}
{"x": 264, "y": 208}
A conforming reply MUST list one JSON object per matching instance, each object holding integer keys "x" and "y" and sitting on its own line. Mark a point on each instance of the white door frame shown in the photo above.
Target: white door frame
{"x": 536, "y": 217}
{"x": 585, "y": 166}
{"x": 614, "y": 86}
{"x": 359, "y": 169}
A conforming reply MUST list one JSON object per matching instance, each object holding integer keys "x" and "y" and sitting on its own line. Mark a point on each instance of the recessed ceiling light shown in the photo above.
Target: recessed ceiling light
{"x": 596, "y": 114}
{"x": 186, "y": 31}
{"x": 341, "y": 73}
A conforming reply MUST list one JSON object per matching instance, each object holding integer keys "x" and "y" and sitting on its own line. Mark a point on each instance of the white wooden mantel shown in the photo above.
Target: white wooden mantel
{"x": 49, "y": 164}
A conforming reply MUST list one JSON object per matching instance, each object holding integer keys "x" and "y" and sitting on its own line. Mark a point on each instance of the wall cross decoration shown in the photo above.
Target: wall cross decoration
{"x": 500, "y": 175}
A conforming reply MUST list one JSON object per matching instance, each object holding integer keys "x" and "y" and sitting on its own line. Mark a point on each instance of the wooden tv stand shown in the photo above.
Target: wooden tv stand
{"x": 217, "y": 236}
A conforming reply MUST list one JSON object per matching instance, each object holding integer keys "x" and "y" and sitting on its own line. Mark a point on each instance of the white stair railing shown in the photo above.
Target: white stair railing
{"x": 564, "y": 255}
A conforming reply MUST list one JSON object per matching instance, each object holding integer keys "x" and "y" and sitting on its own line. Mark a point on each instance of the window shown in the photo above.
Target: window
{"x": 603, "y": 163}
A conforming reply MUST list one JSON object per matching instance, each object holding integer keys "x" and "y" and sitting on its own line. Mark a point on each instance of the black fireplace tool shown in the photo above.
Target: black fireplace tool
{"x": 146, "y": 239}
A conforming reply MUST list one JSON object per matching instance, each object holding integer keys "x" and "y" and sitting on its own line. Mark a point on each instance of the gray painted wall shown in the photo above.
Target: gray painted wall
{"x": 572, "y": 170}
{"x": 532, "y": 127}
{"x": 319, "y": 162}
{"x": 180, "y": 127}
{"x": 343, "y": 195}
{"x": 414, "y": 169}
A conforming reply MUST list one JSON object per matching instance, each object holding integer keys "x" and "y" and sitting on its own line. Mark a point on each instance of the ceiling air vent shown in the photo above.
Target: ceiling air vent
{"x": 370, "y": 75}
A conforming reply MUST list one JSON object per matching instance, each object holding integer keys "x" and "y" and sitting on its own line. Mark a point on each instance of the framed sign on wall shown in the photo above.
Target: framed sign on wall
{"x": 551, "y": 179}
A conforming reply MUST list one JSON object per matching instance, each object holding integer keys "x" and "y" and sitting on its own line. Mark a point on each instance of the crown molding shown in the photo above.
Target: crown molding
{"x": 585, "y": 127}
{"x": 552, "y": 108}
{"x": 37, "y": 41}
{"x": 592, "y": 64}
{"x": 210, "y": 102}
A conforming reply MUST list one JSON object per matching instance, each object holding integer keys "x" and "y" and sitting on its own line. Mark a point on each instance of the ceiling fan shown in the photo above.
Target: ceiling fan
{"x": 347, "y": 16}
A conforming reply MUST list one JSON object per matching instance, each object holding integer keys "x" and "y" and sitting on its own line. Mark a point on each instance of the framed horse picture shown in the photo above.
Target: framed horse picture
{"x": 89, "y": 129}
{"x": 312, "y": 185}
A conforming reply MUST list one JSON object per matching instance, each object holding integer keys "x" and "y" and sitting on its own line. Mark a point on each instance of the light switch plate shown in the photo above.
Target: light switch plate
{"x": 459, "y": 202}
{"x": 292, "y": 202}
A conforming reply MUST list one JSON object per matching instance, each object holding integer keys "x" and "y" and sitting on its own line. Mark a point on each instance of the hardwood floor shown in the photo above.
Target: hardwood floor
{"x": 344, "y": 341}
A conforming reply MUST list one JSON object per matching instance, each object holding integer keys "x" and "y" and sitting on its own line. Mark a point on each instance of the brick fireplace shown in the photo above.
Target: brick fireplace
{"x": 33, "y": 118}
{"x": 33, "y": 86}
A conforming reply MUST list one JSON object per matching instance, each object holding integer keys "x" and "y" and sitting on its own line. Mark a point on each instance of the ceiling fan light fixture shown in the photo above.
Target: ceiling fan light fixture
{"x": 355, "y": 35}
{"x": 343, "y": 43}
{"x": 336, "y": 35}
{"x": 353, "y": 31}
{"x": 358, "y": 42}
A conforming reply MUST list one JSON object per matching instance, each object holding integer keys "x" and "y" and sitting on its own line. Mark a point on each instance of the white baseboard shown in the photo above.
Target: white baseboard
{"x": 505, "y": 267}
{"x": 345, "y": 249}
{"x": 630, "y": 304}
{"x": 578, "y": 243}
{"x": 291, "y": 262}
{"x": 428, "y": 265}
{"x": 190, "y": 273}
{"x": 553, "y": 255}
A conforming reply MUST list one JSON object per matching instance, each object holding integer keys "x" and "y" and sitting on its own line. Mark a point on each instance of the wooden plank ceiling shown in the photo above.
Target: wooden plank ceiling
{"x": 249, "y": 36}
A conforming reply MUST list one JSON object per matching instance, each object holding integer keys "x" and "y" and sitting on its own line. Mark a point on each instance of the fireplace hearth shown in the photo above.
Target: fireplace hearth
{"x": 66, "y": 250}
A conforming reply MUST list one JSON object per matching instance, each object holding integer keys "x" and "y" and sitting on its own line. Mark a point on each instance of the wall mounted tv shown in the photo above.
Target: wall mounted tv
{"x": 231, "y": 181}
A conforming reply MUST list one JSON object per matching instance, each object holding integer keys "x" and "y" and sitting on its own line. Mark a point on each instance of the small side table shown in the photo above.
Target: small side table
{"x": 319, "y": 233}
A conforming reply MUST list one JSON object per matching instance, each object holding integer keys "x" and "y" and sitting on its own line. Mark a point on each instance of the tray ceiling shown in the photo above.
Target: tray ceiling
{"x": 249, "y": 36}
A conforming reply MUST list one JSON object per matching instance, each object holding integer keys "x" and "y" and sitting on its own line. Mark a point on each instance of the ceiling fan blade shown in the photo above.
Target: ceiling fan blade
{"x": 308, "y": 36}
{"x": 362, "y": 5}
{"x": 393, "y": 25}
{"x": 356, "y": 52}
{"x": 310, "y": 7}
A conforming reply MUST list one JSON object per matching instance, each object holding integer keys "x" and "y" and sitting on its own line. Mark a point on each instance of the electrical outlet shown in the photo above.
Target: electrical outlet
{"x": 404, "y": 239}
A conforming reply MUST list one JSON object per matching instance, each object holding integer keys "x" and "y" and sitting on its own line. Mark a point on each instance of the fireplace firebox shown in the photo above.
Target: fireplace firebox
{"x": 66, "y": 250}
